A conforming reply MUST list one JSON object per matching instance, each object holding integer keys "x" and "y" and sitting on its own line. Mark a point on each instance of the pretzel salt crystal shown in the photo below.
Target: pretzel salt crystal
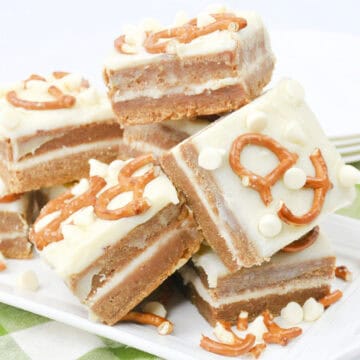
{"x": 261, "y": 184}
{"x": 321, "y": 185}
{"x": 67, "y": 204}
{"x": 127, "y": 182}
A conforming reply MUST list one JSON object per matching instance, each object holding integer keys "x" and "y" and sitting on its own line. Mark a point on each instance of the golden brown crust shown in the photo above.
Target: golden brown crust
{"x": 254, "y": 307}
{"x": 243, "y": 247}
{"x": 181, "y": 245}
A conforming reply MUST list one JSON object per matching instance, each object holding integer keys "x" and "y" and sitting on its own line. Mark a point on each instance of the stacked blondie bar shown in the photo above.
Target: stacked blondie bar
{"x": 188, "y": 158}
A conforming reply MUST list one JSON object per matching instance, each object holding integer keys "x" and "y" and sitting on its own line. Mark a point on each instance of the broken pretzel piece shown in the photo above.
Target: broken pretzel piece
{"x": 342, "y": 272}
{"x": 164, "y": 326}
{"x": 276, "y": 334}
{"x": 240, "y": 347}
{"x": 257, "y": 350}
{"x": 243, "y": 321}
{"x": 331, "y": 298}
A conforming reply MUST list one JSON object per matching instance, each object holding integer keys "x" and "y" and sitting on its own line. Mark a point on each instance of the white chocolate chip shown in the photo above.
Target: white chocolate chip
{"x": 81, "y": 187}
{"x": 257, "y": 328}
{"x": 295, "y": 134}
{"x": 294, "y": 178}
{"x": 216, "y": 8}
{"x": 84, "y": 216}
{"x": 349, "y": 176}
{"x": 10, "y": 119}
{"x": 93, "y": 317}
{"x": 292, "y": 313}
{"x": 129, "y": 49}
{"x": 204, "y": 20}
{"x": 243, "y": 315}
{"x": 114, "y": 169}
{"x": 294, "y": 91}
{"x": 270, "y": 225}
{"x": 225, "y": 336}
{"x": 312, "y": 309}
{"x": 97, "y": 168}
{"x": 27, "y": 280}
{"x": 210, "y": 158}
{"x": 72, "y": 232}
{"x": 155, "y": 307}
{"x": 88, "y": 96}
{"x": 71, "y": 82}
{"x": 256, "y": 121}
{"x": 150, "y": 25}
{"x": 181, "y": 18}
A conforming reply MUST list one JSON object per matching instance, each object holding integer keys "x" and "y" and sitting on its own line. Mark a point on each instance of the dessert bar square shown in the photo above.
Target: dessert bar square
{"x": 49, "y": 129}
{"x": 16, "y": 213}
{"x": 211, "y": 64}
{"x": 116, "y": 237}
{"x": 221, "y": 295}
{"x": 260, "y": 177}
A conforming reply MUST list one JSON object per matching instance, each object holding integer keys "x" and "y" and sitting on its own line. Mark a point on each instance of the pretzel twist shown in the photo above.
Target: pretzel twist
{"x": 62, "y": 101}
{"x": 240, "y": 347}
{"x": 321, "y": 185}
{"x": 277, "y": 334}
{"x": 127, "y": 182}
{"x": 261, "y": 184}
{"x": 150, "y": 319}
{"x": 67, "y": 204}
{"x": 186, "y": 33}
{"x": 304, "y": 242}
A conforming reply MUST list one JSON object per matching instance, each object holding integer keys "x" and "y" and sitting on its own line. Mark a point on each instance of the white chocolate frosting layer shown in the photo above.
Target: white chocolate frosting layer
{"x": 215, "y": 42}
{"x": 211, "y": 264}
{"x": 292, "y": 124}
{"x": 86, "y": 235}
{"x": 189, "y": 276}
{"x": 91, "y": 106}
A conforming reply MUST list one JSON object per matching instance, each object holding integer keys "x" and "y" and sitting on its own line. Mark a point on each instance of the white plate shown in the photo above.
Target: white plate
{"x": 336, "y": 335}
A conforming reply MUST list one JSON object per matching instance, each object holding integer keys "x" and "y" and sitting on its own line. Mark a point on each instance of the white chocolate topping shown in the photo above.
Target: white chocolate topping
{"x": 86, "y": 235}
{"x": 292, "y": 313}
{"x": 294, "y": 134}
{"x": 181, "y": 18}
{"x": 211, "y": 158}
{"x": 294, "y": 178}
{"x": 217, "y": 41}
{"x": 90, "y": 106}
{"x": 204, "y": 19}
{"x": 81, "y": 187}
{"x": 256, "y": 121}
{"x": 270, "y": 225}
{"x": 244, "y": 202}
{"x": 211, "y": 264}
{"x": 349, "y": 176}
{"x": 312, "y": 309}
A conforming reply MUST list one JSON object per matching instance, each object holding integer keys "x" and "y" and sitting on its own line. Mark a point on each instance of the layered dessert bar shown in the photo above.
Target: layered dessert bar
{"x": 49, "y": 129}
{"x": 212, "y": 64}
{"x": 157, "y": 138}
{"x": 16, "y": 213}
{"x": 116, "y": 237}
{"x": 221, "y": 295}
{"x": 260, "y": 177}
